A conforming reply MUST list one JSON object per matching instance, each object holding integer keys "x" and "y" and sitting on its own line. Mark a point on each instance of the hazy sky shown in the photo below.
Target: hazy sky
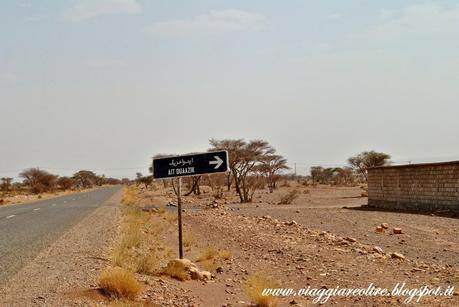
{"x": 105, "y": 84}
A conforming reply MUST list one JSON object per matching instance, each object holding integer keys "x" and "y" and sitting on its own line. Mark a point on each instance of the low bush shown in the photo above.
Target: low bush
{"x": 147, "y": 264}
{"x": 254, "y": 287}
{"x": 224, "y": 254}
{"x": 288, "y": 198}
{"x": 187, "y": 239}
{"x": 119, "y": 283}
{"x": 208, "y": 254}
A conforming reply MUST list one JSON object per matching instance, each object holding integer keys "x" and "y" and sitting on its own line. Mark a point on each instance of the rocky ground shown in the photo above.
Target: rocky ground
{"x": 312, "y": 242}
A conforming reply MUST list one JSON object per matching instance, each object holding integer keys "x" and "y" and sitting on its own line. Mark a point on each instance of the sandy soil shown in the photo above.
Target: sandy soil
{"x": 312, "y": 242}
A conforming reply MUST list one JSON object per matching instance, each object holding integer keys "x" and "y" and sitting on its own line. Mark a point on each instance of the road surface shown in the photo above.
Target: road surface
{"x": 27, "y": 229}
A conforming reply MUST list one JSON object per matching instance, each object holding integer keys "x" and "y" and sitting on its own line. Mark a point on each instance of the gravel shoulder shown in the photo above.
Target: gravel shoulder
{"x": 72, "y": 262}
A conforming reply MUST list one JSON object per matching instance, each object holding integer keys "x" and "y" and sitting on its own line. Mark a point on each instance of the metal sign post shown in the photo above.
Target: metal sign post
{"x": 179, "y": 209}
{"x": 188, "y": 165}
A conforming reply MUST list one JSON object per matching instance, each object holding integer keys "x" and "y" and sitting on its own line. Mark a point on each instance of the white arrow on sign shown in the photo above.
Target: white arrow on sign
{"x": 217, "y": 162}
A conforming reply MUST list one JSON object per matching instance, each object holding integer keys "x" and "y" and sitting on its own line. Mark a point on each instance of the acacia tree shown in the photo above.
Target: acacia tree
{"x": 344, "y": 175}
{"x": 270, "y": 166}
{"x": 145, "y": 180}
{"x": 86, "y": 179}
{"x": 38, "y": 180}
{"x": 66, "y": 183}
{"x": 6, "y": 183}
{"x": 366, "y": 159}
{"x": 244, "y": 159}
{"x": 317, "y": 174}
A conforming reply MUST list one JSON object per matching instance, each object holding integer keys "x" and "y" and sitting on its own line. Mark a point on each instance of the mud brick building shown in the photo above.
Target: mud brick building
{"x": 429, "y": 187}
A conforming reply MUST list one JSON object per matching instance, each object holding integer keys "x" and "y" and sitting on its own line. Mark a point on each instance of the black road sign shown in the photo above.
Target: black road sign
{"x": 191, "y": 165}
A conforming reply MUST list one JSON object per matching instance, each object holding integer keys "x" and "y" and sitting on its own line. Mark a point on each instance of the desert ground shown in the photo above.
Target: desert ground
{"x": 323, "y": 239}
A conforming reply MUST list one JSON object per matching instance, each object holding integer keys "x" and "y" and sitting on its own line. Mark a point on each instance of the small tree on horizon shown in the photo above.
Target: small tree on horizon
{"x": 366, "y": 159}
{"x": 6, "y": 183}
{"x": 271, "y": 165}
{"x": 38, "y": 180}
{"x": 86, "y": 179}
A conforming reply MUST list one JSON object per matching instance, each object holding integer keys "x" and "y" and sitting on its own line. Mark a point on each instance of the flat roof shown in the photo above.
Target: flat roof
{"x": 416, "y": 165}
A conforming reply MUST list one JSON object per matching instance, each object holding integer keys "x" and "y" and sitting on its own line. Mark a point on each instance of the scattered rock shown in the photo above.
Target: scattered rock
{"x": 291, "y": 223}
{"x": 385, "y": 225}
{"x": 378, "y": 249}
{"x": 214, "y": 204}
{"x": 379, "y": 229}
{"x": 397, "y": 231}
{"x": 219, "y": 269}
{"x": 350, "y": 239}
{"x": 196, "y": 274}
{"x": 397, "y": 256}
{"x": 179, "y": 267}
{"x": 171, "y": 204}
{"x": 207, "y": 275}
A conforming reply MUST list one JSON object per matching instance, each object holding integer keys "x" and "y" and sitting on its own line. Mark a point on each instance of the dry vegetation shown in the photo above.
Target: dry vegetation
{"x": 177, "y": 272}
{"x": 223, "y": 241}
{"x": 254, "y": 287}
{"x": 119, "y": 283}
{"x": 187, "y": 239}
{"x": 134, "y": 250}
{"x": 233, "y": 244}
{"x": 40, "y": 184}
{"x": 289, "y": 197}
{"x": 208, "y": 254}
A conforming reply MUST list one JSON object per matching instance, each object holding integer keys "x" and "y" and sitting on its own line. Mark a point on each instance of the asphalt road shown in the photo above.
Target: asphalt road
{"x": 27, "y": 229}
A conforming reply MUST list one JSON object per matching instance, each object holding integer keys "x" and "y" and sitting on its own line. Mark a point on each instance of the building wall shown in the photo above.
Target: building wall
{"x": 420, "y": 187}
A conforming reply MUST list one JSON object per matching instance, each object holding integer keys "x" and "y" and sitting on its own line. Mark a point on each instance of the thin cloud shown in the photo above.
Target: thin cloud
{"x": 223, "y": 21}
{"x": 87, "y": 9}
{"x": 417, "y": 21}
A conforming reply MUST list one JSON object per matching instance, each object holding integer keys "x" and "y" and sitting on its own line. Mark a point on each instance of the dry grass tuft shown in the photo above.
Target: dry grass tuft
{"x": 119, "y": 283}
{"x": 176, "y": 272}
{"x": 208, "y": 254}
{"x": 170, "y": 217}
{"x": 119, "y": 256}
{"x": 224, "y": 254}
{"x": 132, "y": 236}
{"x": 288, "y": 198}
{"x": 254, "y": 287}
{"x": 130, "y": 196}
{"x": 188, "y": 239}
{"x": 161, "y": 211}
{"x": 147, "y": 264}
{"x": 209, "y": 265}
